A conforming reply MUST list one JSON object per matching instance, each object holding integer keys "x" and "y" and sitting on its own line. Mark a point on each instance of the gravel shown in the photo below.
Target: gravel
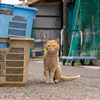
{"x": 37, "y": 89}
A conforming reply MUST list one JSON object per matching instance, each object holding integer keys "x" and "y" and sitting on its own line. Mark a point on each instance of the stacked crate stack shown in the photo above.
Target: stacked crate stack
{"x": 15, "y": 43}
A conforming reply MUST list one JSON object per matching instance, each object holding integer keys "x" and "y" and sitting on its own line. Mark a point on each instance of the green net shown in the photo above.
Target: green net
{"x": 86, "y": 18}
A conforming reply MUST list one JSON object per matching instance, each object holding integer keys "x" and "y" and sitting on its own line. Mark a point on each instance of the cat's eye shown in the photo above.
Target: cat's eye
{"x": 48, "y": 45}
{"x": 53, "y": 45}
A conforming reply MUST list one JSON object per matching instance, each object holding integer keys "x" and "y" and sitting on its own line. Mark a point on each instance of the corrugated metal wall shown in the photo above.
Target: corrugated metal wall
{"x": 48, "y": 20}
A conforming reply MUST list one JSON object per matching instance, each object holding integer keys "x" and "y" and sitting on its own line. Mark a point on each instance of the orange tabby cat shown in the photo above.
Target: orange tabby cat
{"x": 52, "y": 70}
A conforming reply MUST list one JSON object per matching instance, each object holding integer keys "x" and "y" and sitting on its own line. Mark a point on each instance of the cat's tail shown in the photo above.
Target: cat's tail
{"x": 63, "y": 78}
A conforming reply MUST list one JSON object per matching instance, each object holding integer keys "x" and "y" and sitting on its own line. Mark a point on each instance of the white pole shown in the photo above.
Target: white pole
{"x": 61, "y": 41}
{"x": 81, "y": 38}
{"x": 61, "y": 36}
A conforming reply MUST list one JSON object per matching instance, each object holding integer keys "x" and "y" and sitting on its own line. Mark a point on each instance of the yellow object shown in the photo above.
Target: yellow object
{"x": 14, "y": 61}
{"x": 44, "y": 49}
{"x": 45, "y": 37}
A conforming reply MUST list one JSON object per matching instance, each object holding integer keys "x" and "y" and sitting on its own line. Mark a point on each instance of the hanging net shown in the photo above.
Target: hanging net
{"x": 86, "y": 18}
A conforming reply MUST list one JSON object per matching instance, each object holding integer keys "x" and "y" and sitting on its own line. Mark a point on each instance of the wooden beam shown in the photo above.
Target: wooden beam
{"x": 45, "y": 1}
{"x": 40, "y": 28}
{"x": 23, "y": 2}
{"x": 47, "y": 16}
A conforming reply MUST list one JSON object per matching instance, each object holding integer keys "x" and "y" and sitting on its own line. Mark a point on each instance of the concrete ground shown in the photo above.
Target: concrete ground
{"x": 90, "y": 75}
{"x": 85, "y": 88}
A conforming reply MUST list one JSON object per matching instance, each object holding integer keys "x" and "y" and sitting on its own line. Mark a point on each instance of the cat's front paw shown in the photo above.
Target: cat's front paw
{"x": 51, "y": 82}
{"x": 47, "y": 81}
{"x": 56, "y": 81}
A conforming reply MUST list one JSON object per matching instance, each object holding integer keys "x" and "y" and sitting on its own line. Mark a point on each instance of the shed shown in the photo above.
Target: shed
{"x": 48, "y": 22}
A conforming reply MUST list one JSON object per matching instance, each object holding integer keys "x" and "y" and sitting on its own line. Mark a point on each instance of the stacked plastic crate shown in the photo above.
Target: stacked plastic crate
{"x": 15, "y": 43}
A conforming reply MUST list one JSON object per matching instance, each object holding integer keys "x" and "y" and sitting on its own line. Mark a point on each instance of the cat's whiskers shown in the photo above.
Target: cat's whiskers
{"x": 52, "y": 50}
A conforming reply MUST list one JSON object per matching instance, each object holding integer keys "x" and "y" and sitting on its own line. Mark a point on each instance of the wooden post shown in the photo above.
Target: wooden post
{"x": 23, "y": 2}
{"x": 66, "y": 32}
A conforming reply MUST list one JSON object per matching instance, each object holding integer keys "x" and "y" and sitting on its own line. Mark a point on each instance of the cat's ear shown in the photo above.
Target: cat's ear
{"x": 57, "y": 40}
{"x": 46, "y": 40}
